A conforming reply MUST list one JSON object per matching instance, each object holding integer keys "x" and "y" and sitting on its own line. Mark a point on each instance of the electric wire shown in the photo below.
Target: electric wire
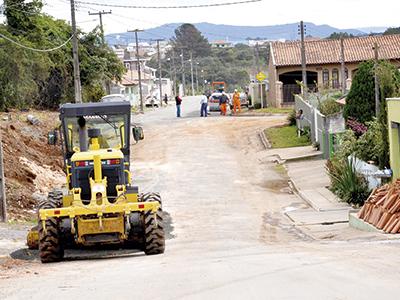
{"x": 170, "y": 6}
{"x": 35, "y": 49}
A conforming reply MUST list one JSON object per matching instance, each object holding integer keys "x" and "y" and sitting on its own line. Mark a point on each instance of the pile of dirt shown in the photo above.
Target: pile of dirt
{"x": 31, "y": 166}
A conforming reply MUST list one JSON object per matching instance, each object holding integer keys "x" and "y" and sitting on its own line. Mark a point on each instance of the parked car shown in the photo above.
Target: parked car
{"x": 151, "y": 100}
{"x": 244, "y": 101}
{"x": 115, "y": 98}
{"x": 213, "y": 102}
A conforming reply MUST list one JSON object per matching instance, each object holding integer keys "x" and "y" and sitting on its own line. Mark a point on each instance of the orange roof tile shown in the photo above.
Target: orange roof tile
{"x": 328, "y": 51}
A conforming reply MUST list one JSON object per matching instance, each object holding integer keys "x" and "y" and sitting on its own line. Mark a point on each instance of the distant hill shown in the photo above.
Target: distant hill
{"x": 232, "y": 33}
{"x": 373, "y": 29}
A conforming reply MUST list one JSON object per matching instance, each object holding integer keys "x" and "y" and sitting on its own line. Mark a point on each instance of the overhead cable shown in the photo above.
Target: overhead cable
{"x": 35, "y": 49}
{"x": 169, "y": 6}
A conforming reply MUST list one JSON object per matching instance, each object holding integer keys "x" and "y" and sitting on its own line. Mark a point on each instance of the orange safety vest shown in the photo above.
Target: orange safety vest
{"x": 236, "y": 97}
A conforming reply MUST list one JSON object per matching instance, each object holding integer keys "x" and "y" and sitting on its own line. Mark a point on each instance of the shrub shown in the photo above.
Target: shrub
{"x": 349, "y": 186}
{"x": 371, "y": 145}
{"x": 292, "y": 118}
{"x": 360, "y": 102}
{"x": 347, "y": 145}
{"x": 357, "y": 127}
{"x": 329, "y": 107}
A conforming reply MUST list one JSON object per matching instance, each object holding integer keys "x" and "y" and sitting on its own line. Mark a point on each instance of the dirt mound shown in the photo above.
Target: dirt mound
{"x": 31, "y": 166}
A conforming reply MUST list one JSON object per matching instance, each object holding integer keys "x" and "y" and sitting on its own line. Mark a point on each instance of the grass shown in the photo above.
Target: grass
{"x": 274, "y": 110}
{"x": 285, "y": 137}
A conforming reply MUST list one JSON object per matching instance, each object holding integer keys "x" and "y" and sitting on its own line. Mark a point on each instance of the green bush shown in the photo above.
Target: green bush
{"x": 370, "y": 146}
{"x": 360, "y": 102}
{"x": 347, "y": 145}
{"x": 292, "y": 118}
{"x": 329, "y": 107}
{"x": 349, "y": 186}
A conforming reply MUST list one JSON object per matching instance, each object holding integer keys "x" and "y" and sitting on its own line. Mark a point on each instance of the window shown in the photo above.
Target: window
{"x": 335, "y": 78}
{"x": 346, "y": 73}
{"x": 325, "y": 77}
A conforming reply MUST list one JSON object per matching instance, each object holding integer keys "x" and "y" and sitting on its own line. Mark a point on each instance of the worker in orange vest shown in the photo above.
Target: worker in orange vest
{"x": 236, "y": 102}
{"x": 223, "y": 100}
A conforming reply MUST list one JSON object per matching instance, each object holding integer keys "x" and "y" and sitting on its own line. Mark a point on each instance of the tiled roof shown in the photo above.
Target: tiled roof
{"x": 328, "y": 51}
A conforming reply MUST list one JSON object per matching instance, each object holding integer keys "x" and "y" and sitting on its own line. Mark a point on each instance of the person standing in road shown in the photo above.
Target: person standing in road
{"x": 166, "y": 99}
{"x": 223, "y": 100}
{"x": 236, "y": 102}
{"x": 178, "y": 101}
{"x": 203, "y": 105}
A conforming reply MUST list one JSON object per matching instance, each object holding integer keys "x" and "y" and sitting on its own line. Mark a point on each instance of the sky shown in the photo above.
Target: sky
{"x": 342, "y": 14}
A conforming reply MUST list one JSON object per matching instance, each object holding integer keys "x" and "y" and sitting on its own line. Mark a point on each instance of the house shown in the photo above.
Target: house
{"x": 221, "y": 44}
{"x": 393, "y": 108}
{"x": 323, "y": 59}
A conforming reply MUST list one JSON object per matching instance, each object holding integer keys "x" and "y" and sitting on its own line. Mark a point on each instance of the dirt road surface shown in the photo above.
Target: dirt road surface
{"x": 227, "y": 235}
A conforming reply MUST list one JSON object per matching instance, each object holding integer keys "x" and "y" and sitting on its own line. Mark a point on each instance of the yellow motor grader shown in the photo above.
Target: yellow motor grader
{"x": 100, "y": 205}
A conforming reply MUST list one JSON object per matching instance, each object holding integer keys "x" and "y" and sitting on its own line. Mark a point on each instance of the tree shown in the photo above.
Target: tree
{"x": 339, "y": 35}
{"x": 392, "y": 30}
{"x": 29, "y": 78}
{"x": 188, "y": 38}
{"x": 360, "y": 102}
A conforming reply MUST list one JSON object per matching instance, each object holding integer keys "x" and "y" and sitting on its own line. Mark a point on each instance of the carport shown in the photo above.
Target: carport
{"x": 290, "y": 86}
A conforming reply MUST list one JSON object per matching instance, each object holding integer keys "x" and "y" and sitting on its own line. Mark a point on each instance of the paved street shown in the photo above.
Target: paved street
{"x": 228, "y": 237}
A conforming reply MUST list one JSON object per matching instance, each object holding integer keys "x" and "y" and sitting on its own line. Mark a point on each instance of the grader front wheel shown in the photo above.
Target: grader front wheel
{"x": 50, "y": 241}
{"x": 154, "y": 236}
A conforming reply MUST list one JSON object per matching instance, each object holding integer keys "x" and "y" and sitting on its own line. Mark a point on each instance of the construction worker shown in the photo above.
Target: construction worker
{"x": 236, "y": 102}
{"x": 223, "y": 100}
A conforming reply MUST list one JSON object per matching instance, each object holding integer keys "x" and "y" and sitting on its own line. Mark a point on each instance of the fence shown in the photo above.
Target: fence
{"x": 322, "y": 129}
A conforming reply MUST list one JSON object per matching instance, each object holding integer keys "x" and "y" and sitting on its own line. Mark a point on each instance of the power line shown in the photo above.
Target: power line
{"x": 172, "y": 6}
{"x": 35, "y": 49}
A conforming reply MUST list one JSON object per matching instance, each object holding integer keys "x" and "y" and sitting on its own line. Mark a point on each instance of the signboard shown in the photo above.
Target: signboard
{"x": 261, "y": 76}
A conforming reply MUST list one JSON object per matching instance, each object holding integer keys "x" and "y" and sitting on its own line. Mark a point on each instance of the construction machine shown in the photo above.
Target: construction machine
{"x": 100, "y": 206}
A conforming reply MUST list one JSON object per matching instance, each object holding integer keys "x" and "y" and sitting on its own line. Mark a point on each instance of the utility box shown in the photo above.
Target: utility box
{"x": 393, "y": 109}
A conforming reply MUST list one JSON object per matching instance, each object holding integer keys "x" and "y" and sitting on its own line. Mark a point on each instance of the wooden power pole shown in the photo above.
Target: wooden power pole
{"x": 159, "y": 69}
{"x": 138, "y": 68}
{"x": 3, "y": 203}
{"x": 376, "y": 79}
{"x": 100, "y": 14}
{"x": 303, "y": 59}
{"x": 343, "y": 70}
{"x": 77, "y": 77}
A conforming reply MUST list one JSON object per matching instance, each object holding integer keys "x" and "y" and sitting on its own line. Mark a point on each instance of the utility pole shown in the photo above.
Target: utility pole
{"x": 303, "y": 59}
{"x": 260, "y": 84}
{"x": 377, "y": 102}
{"x": 77, "y": 77}
{"x": 159, "y": 68}
{"x": 257, "y": 58}
{"x": 183, "y": 72}
{"x": 343, "y": 71}
{"x": 100, "y": 14}
{"x": 197, "y": 76}
{"x": 3, "y": 203}
{"x": 138, "y": 68}
{"x": 174, "y": 70}
{"x": 191, "y": 71}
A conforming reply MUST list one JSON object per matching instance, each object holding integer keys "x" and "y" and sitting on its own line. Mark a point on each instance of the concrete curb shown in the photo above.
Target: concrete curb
{"x": 317, "y": 154}
{"x": 357, "y": 223}
{"x": 260, "y": 115}
{"x": 299, "y": 193}
{"x": 264, "y": 140}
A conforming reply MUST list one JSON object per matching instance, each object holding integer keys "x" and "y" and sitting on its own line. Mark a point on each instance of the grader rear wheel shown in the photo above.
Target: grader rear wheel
{"x": 154, "y": 236}
{"x": 50, "y": 242}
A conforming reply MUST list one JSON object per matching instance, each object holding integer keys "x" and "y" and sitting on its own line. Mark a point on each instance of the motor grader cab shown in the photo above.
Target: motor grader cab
{"x": 100, "y": 206}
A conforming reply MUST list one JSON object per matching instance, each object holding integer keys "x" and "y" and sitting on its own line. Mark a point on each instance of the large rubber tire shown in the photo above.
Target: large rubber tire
{"x": 50, "y": 242}
{"x": 154, "y": 235}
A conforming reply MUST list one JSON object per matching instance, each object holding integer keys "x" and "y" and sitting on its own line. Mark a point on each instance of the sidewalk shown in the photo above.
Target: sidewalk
{"x": 309, "y": 180}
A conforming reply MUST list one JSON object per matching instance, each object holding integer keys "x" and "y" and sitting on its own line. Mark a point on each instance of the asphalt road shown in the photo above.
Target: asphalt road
{"x": 227, "y": 235}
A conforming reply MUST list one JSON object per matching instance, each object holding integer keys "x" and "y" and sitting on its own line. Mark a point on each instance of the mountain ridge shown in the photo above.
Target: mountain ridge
{"x": 233, "y": 33}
